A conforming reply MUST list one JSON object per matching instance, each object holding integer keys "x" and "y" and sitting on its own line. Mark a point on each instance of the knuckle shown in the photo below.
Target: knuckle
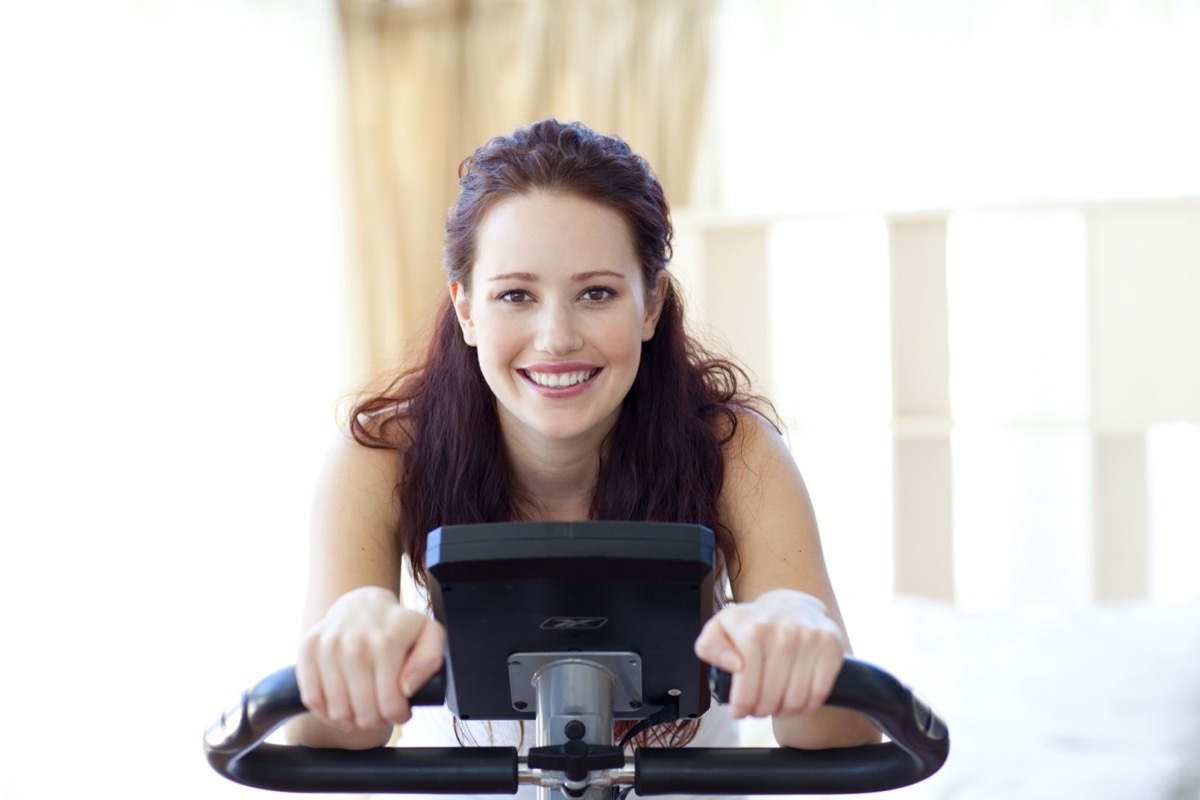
{"x": 784, "y": 637}
{"x": 312, "y": 649}
{"x": 357, "y": 646}
{"x": 758, "y": 633}
{"x": 328, "y": 644}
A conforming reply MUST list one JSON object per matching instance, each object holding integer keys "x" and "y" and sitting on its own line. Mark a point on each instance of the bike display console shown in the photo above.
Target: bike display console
{"x": 638, "y": 592}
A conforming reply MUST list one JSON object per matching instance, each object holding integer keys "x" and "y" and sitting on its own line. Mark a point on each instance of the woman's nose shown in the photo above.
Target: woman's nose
{"x": 558, "y": 333}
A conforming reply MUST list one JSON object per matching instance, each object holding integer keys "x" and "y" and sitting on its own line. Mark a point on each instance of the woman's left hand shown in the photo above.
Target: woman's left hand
{"x": 783, "y": 650}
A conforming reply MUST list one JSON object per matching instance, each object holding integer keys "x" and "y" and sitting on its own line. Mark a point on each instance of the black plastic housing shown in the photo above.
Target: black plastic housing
{"x": 568, "y": 586}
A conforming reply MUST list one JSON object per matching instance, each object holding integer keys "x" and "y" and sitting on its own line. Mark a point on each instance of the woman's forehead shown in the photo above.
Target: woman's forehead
{"x": 560, "y": 234}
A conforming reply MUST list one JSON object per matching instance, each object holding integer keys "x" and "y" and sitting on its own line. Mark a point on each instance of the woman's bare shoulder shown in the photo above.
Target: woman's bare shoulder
{"x": 766, "y": 506}
{"x": 747, "y": 433}
{"x": 362, "y": 465}
{"x": 346, "y": 455}
{"x": 355, "y": 514}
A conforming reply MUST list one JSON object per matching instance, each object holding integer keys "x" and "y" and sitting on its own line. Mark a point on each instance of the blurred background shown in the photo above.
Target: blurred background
{"x": 957, "y": 242}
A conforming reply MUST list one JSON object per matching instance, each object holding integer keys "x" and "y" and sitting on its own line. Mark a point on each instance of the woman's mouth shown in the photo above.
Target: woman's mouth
{"x": 559, "y": 380}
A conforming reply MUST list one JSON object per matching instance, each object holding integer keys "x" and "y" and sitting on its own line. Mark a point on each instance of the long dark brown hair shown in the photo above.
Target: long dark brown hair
{"x": 663, "y": 461}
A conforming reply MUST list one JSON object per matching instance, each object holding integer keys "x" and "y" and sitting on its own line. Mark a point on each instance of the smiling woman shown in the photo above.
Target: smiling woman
{"x": 560, "y": 384}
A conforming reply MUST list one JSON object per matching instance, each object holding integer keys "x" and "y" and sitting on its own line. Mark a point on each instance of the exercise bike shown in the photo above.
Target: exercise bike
{"x": 572, "y": 626}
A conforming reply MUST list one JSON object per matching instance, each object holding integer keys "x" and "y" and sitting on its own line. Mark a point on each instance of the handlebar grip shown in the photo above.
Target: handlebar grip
{"x": 411, "y": 770}
{"x": 920, "y": 744}
{"x": 773, "y": 770}
{"x": 720, "y": 683}
{"x": 866, "y": 689}
{"x": 274, "y": 699}
{"x": 235, "y": 749}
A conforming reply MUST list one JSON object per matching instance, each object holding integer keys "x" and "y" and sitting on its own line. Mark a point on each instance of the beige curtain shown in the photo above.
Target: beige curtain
{"x": 428, "y": 81}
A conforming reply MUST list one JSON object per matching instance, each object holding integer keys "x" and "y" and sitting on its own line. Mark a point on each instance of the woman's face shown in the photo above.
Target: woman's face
{"x": 557, "y": 311}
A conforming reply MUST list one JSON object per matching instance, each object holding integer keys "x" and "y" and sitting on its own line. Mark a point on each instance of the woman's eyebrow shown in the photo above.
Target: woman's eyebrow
{"x": 599, "y": 273}
{"x": 528, "y": 277}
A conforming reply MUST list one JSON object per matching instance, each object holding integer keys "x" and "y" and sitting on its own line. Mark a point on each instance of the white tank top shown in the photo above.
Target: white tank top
{"x": 435, "y": 726}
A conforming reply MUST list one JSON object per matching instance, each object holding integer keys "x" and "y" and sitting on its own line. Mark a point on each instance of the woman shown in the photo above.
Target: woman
{"x": 559, "y": 384}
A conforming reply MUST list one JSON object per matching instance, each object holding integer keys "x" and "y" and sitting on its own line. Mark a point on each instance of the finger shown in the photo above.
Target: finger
{"x": 818, "y": 667}
{"x": 713, "y": 646}
{"x": 827, "y": 668}
{"x": 746, "y": 636}
{"x": 338, "y": 710}
{"x": 308, "y": 680}
{"x": 779, "y": 670}
{"x": 392, "y": 702}
{"x": 424, "y": 658}
{"x": 798, "y": 699}
{"x": 358, "y": 673}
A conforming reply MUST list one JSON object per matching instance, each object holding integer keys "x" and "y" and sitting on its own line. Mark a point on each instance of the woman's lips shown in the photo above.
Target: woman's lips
{"x": 559, "y": 381}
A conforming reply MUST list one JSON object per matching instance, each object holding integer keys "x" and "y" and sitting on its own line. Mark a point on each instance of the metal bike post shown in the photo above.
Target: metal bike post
{"x": 574, "y": 691}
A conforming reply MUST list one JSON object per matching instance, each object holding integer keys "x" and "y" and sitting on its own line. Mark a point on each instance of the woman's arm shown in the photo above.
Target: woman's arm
{"x": 784, "y": 639}
{"x": 362, "y": 653}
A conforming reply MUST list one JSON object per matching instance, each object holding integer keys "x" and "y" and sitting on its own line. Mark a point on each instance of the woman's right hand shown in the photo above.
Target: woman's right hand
{"x": 359, "y": 665}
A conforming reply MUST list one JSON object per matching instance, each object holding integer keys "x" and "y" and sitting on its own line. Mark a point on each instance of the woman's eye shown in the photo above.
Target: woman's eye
{"x": 597, "y": 294}
{"x": 514, "y": 296}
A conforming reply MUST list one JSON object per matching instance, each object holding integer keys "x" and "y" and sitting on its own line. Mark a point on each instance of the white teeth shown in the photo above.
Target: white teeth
{"x": 557, "y": 380}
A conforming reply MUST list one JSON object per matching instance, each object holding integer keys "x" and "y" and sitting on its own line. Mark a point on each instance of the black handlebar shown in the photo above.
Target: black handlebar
{"x": 919, "y": 746}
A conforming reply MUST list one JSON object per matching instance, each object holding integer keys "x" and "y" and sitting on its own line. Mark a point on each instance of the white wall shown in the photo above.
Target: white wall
{"x": 1029, "y": 166}
{"x": 939, "y": 104}
{"x": 172, "y": 217}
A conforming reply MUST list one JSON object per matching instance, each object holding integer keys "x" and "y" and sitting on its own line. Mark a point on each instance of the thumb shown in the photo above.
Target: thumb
{"x": 424, "y": 658}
